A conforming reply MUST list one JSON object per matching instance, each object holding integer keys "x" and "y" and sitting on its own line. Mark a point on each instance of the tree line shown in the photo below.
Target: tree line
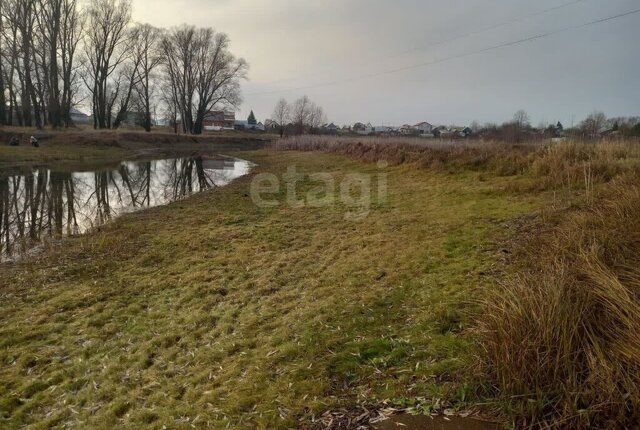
{"x": 302, "y": 116}
{"x": 57, "y": 54}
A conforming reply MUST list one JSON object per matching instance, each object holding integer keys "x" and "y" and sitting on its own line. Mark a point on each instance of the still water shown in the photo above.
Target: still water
{"x": 46, "y": 202}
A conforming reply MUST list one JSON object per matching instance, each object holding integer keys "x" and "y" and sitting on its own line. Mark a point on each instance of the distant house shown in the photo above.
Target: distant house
{"x": 465, "y": 132}
{"x": 424, "y": 128}
{"x": 383, "y": 130}
{"x": 271, "y": 125}
{"x": 441, "y": 131}
{"x": 362, "y": 129}
{"x": 241, "y": 124}
{"x": 358, "y": 127}
{"x": 329, "y": 129}
{"x": 408, "y": 130}
{"x": 79, "y": 117}
{"x": 219, "y": 120}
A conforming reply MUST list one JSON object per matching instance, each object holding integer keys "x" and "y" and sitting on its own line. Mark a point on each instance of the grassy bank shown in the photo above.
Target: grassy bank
{"x": 214, "y": 312}
{"x": 517, "y": 262}
{"x": 86, "y": 146}
{"x": 557, "y": 334}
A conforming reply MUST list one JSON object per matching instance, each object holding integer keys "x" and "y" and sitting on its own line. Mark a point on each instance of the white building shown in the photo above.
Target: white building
{"x": 424, "y": 128}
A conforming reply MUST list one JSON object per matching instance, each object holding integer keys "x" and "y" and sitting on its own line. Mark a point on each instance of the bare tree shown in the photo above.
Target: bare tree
{"x": 594, "y": 124}
{"x": 147, "y": 50}
{"x": 121, "y": 95}
{"x": 38, "y": 43}
{"x": 521, "y": 119}
{"x": 475, "y": 127}
{"x": 50, "y": 26}
{"x": 171, "y": 108}
{"x": 179, "y": 56}
{"x": 202, "y": 73}
{"x": 135, "y": 74}
{"x": 300, "y": 113}
{"x": 105, "y": 49}
{"x": 281, "y": 115}
{"x": 20, "y": 19}
{"x": 218, "y": 75}
{"x": 3, "y": 101}
{"x": 306, "y": 115}
{"x": 70, "y": 35}
{"x": 10, "y": 55}
{"x": 316, "y": 117}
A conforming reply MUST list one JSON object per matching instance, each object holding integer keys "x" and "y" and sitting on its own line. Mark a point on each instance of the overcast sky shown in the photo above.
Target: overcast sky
{"x": 345, "y": 55}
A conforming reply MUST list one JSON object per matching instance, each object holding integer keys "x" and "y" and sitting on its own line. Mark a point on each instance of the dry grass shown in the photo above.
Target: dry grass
{"x": 559, "y": 338}
{"x": 553, "y": 165}
{"x": 212, "y": 312}
{"x": 424, "y": 153}
{"x": 560, "y": 341}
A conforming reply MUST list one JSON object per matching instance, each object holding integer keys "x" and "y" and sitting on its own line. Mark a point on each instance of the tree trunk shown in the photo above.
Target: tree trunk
{"x": 3, "y": 102}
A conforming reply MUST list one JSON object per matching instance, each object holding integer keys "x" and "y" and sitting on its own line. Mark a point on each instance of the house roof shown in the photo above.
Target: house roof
{"x": 220, "y": 115}
{"x": 424, "y": 123}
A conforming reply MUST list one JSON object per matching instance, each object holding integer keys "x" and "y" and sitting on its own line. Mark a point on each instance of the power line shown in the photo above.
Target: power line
{"x": 492, "y": 27}
{"x": 521, "y": 18}
{"x": 454, "y": 57}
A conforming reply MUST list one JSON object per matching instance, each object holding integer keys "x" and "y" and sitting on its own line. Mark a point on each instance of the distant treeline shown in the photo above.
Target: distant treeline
{"x": 594, "y": 126}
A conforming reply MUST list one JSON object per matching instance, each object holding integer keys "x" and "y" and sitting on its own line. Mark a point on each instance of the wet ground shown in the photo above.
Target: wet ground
{"x": 411, "y": 422}
{"x": 48, "y": 202}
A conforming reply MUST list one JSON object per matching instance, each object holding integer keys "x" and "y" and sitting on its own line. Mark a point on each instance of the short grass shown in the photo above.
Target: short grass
{"x": 212, "y": 312}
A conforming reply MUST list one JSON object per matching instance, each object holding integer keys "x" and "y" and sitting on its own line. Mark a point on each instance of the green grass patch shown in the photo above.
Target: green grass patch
{"x": 215, "y": 313}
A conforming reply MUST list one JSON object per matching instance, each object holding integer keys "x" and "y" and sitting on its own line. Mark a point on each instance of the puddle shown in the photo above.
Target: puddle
{"x": 46, "y": 202}
{"x": 421, "y": 422}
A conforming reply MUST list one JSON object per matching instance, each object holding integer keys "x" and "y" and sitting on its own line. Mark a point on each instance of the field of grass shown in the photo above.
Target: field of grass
{"x": 557, "y": 335}
{"x": 490, "y": 274}
{"x": 212, "y": 312}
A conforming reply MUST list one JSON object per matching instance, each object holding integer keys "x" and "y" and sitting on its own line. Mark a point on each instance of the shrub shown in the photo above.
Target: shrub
{"x": 560, "y": 341}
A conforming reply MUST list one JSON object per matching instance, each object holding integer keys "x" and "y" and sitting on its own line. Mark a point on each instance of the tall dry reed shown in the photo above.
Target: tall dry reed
{"x": 560, "y": 341}
{"x": 552, "y": 164}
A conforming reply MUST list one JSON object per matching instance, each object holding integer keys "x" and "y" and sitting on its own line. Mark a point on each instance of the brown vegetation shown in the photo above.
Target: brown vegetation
{"x": 553, "y": 165}
{"x": 559, "y": 338}
{"x": 86, "y": 147}
{"x": 123, "y": 138}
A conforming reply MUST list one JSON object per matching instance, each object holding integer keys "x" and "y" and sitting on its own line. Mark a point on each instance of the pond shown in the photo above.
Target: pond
{"x": 48, "y": 203}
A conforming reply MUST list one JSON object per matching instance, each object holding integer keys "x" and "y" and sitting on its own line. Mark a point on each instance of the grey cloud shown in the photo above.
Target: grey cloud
{"x": 304, "y": 43}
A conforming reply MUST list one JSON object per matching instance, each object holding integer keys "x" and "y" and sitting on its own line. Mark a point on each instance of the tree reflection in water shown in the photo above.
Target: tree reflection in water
{"x": 52, "y": 203}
